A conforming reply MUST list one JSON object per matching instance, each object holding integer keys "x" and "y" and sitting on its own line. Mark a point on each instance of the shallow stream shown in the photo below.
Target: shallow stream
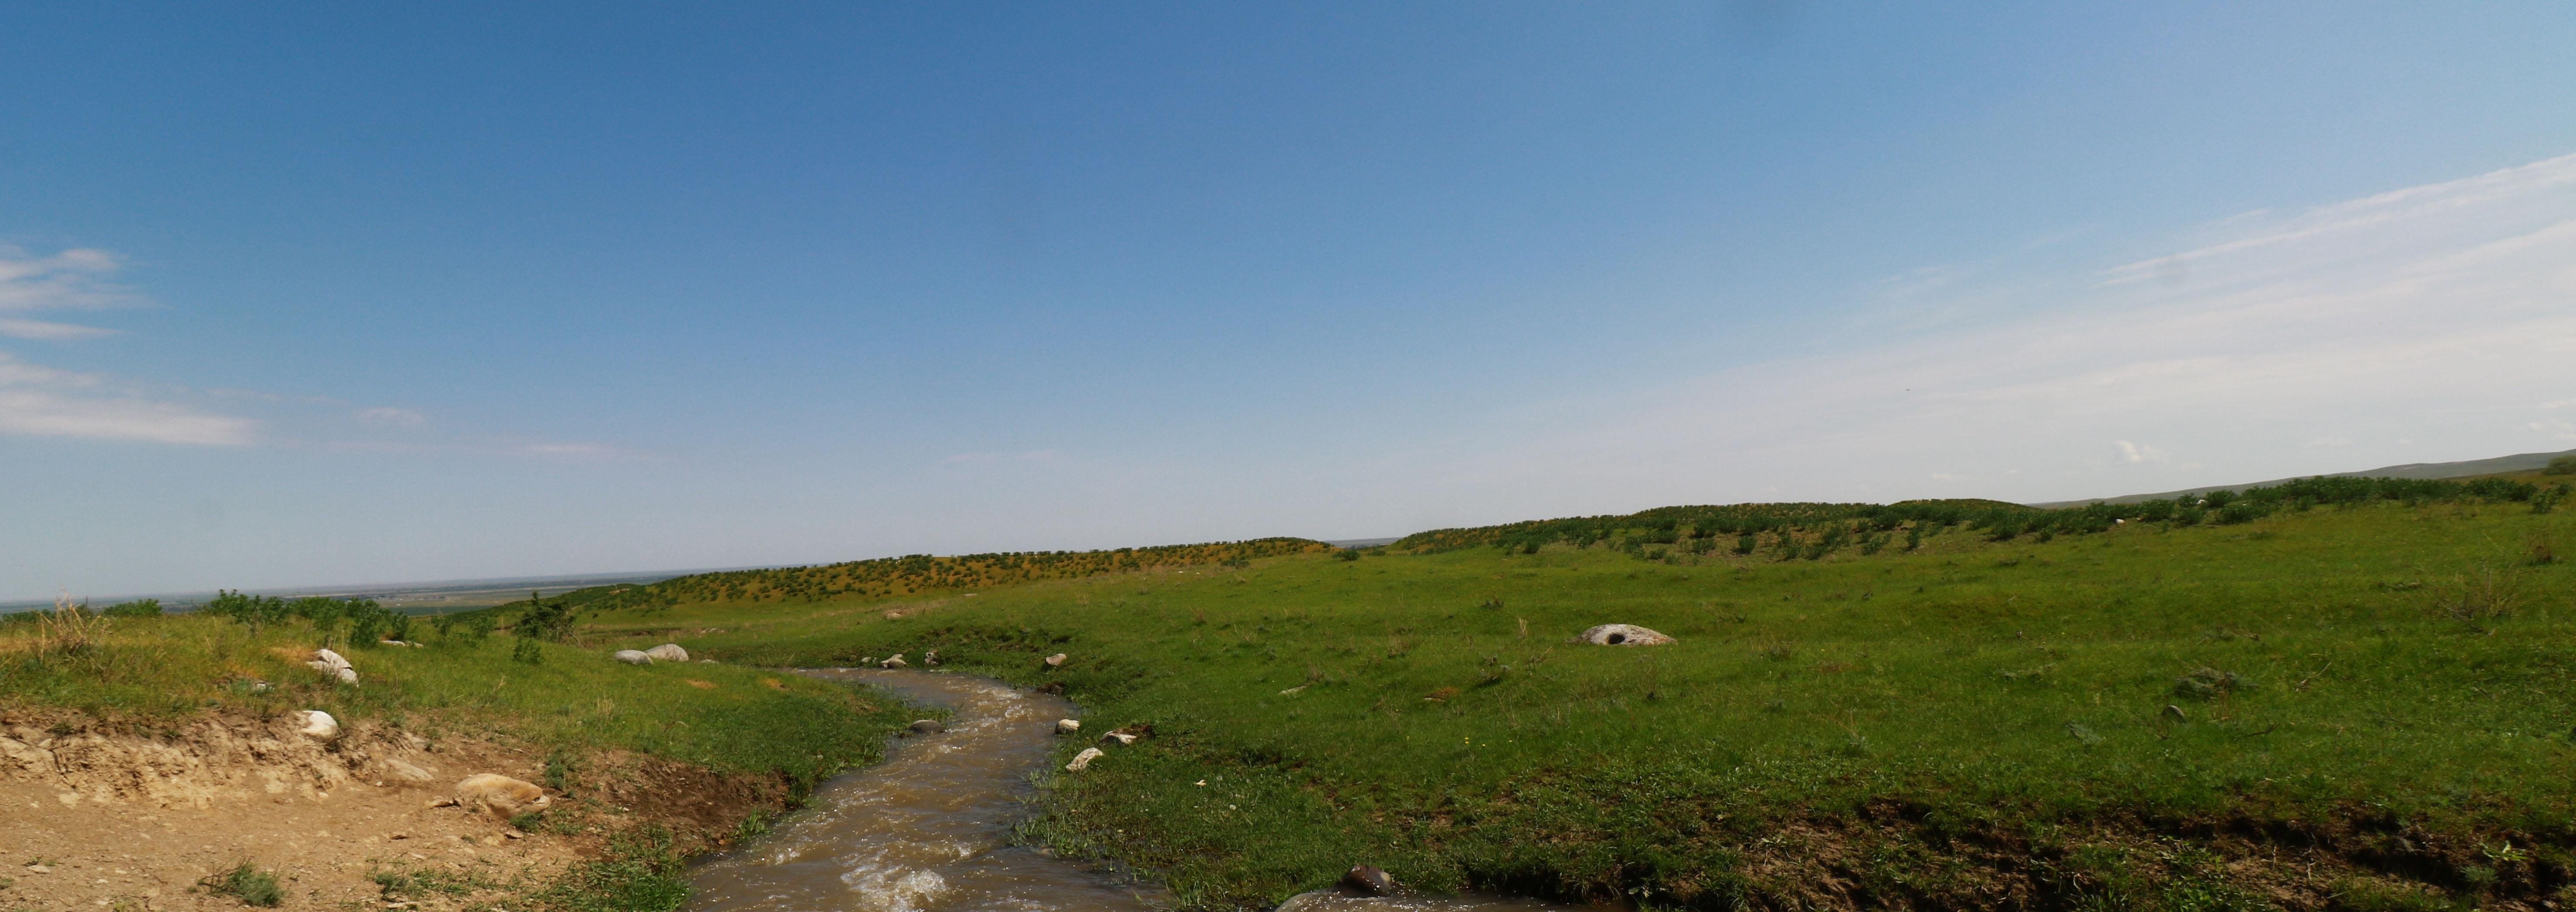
{"x": 929, "y": 829}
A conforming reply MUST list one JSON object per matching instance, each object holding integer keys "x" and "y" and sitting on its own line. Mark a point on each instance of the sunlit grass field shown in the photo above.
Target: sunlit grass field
{"x": 145, "y": 672}
{"x": 2370, "y": 701}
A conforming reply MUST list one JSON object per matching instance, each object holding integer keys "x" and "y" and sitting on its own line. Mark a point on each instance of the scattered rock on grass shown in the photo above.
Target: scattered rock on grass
{"x": 633, "y": 657}
{"x": 1067, "y": 726}
{"x": 1121, "y": 739}
{"x": 1369, "y": 880}
{"x": 893, "y": 661}
{"x": 668, "y": 652}
{"x": 930, "y": 657}
{"x": 1624, "y": 635}
{"x": 500, "y": 796}
{"x": 1083, "y": 760}
{"x": 318, "y": 725}
{"x": 1055, "y": 661}
{"x": 926, "y": 727}
{"x": 333, "y": 665}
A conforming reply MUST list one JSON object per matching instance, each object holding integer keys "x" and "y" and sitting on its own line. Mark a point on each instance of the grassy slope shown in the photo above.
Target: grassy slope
{"x": 1970, "y": 725}
{"x": 574, "y": 703}
{"x": 750, "y": 721}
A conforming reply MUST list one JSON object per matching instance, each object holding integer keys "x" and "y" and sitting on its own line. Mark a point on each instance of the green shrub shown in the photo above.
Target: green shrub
{"x": 247, "y": 883}
{"x": 2563, "y": 465}
{"x": 642, "y": 873}
{"x": 252, "y": 611}
{"x": 137, "y": 608}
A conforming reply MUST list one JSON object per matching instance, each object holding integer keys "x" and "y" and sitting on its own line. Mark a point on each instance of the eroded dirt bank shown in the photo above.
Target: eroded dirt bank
{"x": 98, "y": 813}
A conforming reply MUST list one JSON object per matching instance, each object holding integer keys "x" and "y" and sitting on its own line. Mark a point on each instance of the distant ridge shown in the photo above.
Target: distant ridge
{"x": 2518, "y": 462}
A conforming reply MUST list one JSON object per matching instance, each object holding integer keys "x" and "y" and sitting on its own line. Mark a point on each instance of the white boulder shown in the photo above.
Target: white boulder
{"x": 318, "y": 725}
{"x": 1624, "y": 635}
{"x": 894, "y": 661}
{"x": 633, "y": 657}
{"x": 1055, "y": 661}
{"x": 1083, "y": 759}
{"x": 668, "y": 652}
{"x": 1067, "y": 726}
{"x": 333, "y": 665}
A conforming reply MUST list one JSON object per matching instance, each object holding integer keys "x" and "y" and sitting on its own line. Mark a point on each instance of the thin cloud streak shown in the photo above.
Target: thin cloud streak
{"x": 69, "y": 279}
{"x": 48, "y": 331}
{"x": 41, "y": 401}
{"x": 2438, "y": 311}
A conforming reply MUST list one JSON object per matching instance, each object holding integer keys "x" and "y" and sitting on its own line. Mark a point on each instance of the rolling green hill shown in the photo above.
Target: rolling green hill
{"x": 2518, "y": 465}
{"x": 2332, "y": 694}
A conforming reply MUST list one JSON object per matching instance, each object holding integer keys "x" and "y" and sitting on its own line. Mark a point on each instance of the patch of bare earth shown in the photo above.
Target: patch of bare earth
{"x": 99, "y": 816}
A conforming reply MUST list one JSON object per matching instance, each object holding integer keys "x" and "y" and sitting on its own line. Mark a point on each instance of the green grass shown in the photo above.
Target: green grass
{"x": 152, "y": 671}
{"x": 152, "y": 674}
{"x": 246, "y": 882}
{"x": 1918, "y": 729}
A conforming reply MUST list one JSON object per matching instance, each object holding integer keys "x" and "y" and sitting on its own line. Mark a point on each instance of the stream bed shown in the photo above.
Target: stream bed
{"x": 929, "y": 829}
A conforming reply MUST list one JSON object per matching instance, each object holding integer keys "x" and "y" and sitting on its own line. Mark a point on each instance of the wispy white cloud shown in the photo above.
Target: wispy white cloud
{"x": 570, "y": 449}
{"x": 48, "y": 331}
{"x": 45, "y": 402}
{"x": 2436, "y": 313}
{"x": 37, "y": 400}
{"x": 388, "y": 417}
{"x": 41, "y": 401}
{"x": 2134, "y": 453}
{"x": 75, "y": 279}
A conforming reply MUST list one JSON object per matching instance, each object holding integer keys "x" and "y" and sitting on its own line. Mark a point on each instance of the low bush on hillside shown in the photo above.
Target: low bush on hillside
{"x": 1812, "y": 531}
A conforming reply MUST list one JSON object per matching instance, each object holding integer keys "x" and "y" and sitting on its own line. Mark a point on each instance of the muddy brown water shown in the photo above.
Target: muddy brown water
{"x": 929, "y": 829}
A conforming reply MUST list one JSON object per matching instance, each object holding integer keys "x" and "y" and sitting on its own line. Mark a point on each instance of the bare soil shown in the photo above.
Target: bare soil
{"x": 99, "y": 815}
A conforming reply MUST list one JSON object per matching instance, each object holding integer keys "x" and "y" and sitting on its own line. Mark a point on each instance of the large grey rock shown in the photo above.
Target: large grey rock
{"x": 1624, "y": 635}
{"x": 926, "y": 727}
{"x": 407, "y": 772}
{"x": 633, "y": 657}
{"x": 668, "y": 652}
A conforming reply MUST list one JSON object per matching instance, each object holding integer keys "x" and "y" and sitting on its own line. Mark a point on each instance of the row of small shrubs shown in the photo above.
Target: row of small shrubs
{"x": 1813, "y": 530}
{"x": 367, "y": 622}
{"x": 136, "y": 608}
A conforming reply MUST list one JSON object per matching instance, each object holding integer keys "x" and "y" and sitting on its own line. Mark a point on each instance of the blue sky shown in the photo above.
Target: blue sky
{"x": 323, "y": 294}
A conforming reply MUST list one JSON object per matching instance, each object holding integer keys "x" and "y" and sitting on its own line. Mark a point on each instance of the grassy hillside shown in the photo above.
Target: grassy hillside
{"x": 2369, "y": 706}
{"x": 768, "y": 590}
{"x": 765, "y": 737}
